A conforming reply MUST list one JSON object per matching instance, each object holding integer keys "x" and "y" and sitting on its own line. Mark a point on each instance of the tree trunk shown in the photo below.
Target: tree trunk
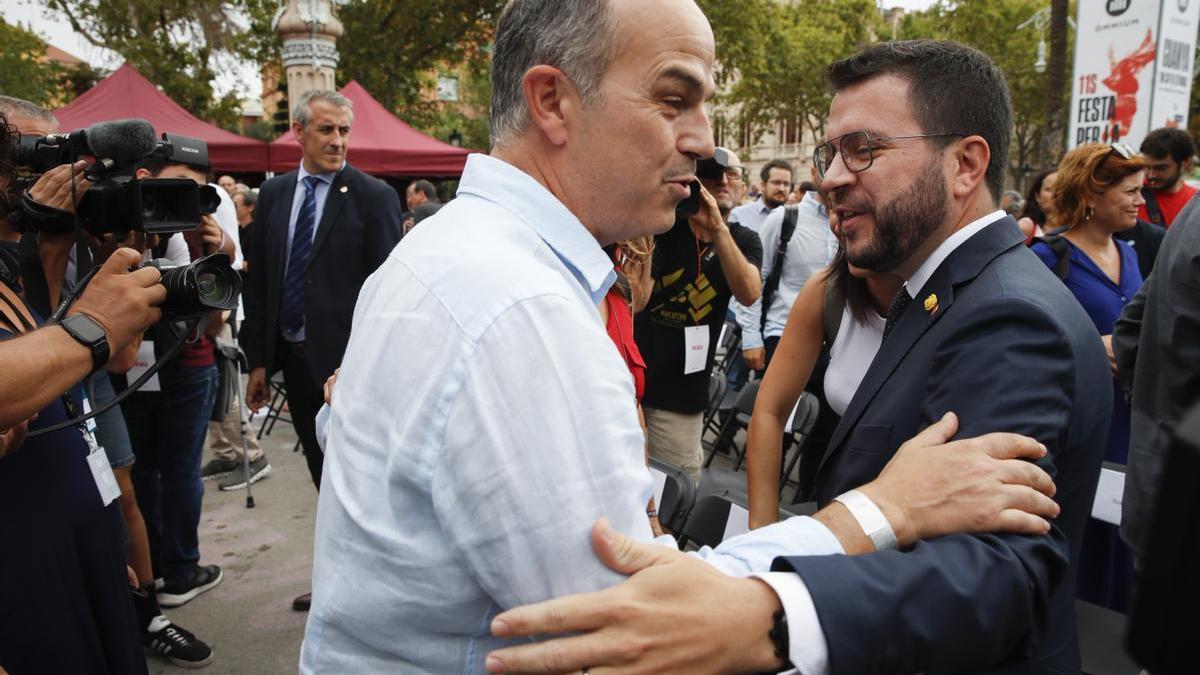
{"x": 1056, "y": 79}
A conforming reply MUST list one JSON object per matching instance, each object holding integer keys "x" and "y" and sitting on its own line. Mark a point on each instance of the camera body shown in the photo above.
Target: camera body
{"x": 117, "y": 200}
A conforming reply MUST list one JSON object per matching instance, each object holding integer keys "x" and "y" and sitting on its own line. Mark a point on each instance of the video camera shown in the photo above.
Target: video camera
{"x": 117, "y": 202}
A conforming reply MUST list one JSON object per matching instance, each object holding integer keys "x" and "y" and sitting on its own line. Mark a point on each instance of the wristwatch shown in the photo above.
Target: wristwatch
{"x": 90, "y": 334}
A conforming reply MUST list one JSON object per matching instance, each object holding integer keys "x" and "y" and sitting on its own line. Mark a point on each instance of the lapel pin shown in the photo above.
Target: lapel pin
{"x": 344, "y": 189}
{"x": 931, "y": 303}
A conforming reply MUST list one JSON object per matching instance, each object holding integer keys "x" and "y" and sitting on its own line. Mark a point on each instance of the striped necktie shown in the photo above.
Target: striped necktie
{"x": 291, "y": 308}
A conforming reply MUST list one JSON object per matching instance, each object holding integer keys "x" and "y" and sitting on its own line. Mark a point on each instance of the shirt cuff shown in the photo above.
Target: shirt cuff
{"x": 751, "y": 339}
{"x": 806, "y": 640}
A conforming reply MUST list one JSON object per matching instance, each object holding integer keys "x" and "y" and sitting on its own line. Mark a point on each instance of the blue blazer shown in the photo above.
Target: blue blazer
{"x": 1007, "y": 348}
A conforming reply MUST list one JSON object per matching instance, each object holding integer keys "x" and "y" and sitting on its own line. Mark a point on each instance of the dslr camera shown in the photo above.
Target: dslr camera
{"x": 116, "y": 202}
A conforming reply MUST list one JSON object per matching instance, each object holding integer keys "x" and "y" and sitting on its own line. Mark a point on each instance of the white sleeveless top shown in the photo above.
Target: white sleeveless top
{"x": 850, "y": 356}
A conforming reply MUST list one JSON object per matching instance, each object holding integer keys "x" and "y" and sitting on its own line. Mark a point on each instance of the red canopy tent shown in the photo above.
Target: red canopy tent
{"x": 381, "y": 144}
{"x": 126, "y": 94}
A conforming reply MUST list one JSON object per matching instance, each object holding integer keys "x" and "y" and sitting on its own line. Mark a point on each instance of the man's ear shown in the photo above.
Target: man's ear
{"x": 142, "y": 174}
{"x": 549, "y": 95}
{"x": 298, "y": 129}
{"x": 973, "y": 155}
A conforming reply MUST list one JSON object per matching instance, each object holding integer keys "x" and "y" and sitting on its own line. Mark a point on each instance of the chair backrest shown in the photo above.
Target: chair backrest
{"x": 714, "y": 519}
{"x": 717, "y": 384}
{"x": 745, "y": 399}
{"x": 677, "y": 497}
{"x": 808, "y": 408}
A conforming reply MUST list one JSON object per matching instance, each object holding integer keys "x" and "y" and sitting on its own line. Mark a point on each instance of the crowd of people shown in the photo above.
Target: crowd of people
{"x": 478, "y": 387}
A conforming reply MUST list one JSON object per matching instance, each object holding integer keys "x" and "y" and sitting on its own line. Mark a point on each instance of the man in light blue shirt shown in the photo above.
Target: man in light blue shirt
{"x": 483, "y": 419}
{"x": 776, "y": 184}
{"x": 809, "y": 249}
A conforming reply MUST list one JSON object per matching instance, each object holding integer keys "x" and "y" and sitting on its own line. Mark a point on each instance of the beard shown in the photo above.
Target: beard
{"x": 1164, "y": 183}
{"x": 904, "y": 223}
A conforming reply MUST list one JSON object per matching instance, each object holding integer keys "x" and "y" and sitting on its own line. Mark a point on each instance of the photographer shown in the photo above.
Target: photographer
{"x": 47, "y": 264}
{"x": 64, "y": 593}
{"x": 167, "y": 427}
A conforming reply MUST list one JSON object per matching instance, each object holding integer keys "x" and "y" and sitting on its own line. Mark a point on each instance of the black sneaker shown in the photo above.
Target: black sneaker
{"x": 179, "y": 646}
{"x": 219, "y": 467}
{"x": 202, "y": 578}
{"x": 236, "y": 479}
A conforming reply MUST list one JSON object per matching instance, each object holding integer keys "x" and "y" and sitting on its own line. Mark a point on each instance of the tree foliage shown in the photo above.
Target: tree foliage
{"x": 180, "y": 45}
{"x": 397, "y": 48}
{"x": 24, "y": 73}
{"x": 772, "y": 56}
{"x": 991, "y": 26}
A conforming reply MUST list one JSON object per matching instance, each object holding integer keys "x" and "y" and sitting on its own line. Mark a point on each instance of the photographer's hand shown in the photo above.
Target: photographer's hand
{"x": 53, "y": 189}
{"x": 125, "y": 303}
{"x": 11, "y": 439}
{"x": 209, "y": 237}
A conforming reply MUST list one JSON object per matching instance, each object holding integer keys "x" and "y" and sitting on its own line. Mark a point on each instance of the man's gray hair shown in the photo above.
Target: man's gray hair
{"x": 302, "y": 111}
{"x": 575, "y": 36}
{"x": 19, "y": 107}
{"x": 249, "y": 197}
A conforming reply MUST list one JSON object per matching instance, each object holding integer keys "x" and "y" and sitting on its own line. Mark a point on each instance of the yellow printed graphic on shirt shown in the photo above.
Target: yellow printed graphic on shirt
{"x": 689, "y": 306}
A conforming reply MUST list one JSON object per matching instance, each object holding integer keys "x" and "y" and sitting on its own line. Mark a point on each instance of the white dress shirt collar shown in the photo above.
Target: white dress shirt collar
{"x": 810, "y": 199}
{"x": 916, "y": 282}
{"x": 517, "y": 192}
{"x": 326, "y": 178}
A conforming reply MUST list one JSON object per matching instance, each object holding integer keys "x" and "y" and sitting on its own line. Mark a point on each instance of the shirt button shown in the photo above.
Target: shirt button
{"x": 1123, "y": 299}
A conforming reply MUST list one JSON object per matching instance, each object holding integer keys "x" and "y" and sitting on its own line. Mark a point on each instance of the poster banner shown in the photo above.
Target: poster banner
{"x": 1116, "y": 42}
{"x": 1173, "y": 70}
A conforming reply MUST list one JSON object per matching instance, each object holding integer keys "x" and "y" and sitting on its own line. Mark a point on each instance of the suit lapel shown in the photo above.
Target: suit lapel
{"x": 931, "y": 303}
{"x": 278, "y": 226}
{"x": 338, "y": 192}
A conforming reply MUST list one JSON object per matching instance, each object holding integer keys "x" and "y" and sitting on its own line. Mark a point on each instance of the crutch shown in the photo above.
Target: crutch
{"x": 242, "y": 421}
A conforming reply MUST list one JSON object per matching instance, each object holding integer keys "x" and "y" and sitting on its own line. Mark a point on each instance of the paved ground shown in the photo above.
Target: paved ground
{"x": 266, "y": 556}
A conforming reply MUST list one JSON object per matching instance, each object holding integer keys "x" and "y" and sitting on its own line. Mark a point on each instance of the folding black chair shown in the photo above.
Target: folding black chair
{"x": 738, "y": 419}
{"x": 275, "y": 407}
{"x": 678, "y": 495}
{"x": 808, "y": 408}
{"x": 708, "y": 522}
{"x": 716, "y": 394}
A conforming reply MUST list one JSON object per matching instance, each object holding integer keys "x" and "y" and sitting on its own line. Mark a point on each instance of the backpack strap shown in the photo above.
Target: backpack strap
{"x": 831, "y": 311}
{"x": 1153, "y": 210}
{"x": 1061, "y": 249}
{"x": 790, "y": 214}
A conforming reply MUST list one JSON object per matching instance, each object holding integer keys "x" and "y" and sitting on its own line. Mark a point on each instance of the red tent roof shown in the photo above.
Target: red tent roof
{"x": 381, "y": 144}
{"x": 126, "y": 94}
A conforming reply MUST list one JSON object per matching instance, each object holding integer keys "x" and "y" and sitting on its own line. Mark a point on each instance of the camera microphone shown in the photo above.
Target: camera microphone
{"x": 121, "y": 140}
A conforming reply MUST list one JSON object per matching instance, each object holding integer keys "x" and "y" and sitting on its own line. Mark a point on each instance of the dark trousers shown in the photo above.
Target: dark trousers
{"x": 305, "y": 396}
{"x": 167, "y": 430}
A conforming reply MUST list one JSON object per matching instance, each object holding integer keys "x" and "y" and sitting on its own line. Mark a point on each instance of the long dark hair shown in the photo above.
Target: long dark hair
{"x": 1033, "y": 210}
{"x": 845, "y": 284}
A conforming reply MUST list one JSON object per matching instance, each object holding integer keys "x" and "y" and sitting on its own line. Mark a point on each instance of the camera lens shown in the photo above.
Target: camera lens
{"x": 208, "y": 288}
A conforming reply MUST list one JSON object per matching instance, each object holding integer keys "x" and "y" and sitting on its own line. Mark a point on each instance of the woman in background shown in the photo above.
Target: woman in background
{"x": 1097, "y": 195}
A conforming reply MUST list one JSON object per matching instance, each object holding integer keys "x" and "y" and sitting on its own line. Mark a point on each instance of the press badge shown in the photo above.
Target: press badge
{"x": 695, "y": 344}
{"x": 102, "y": 473}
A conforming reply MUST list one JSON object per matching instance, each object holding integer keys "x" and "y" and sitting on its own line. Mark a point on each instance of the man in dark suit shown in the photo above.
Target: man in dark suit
{"x": 318, "y": 233}
{"x": 981, "y": 329}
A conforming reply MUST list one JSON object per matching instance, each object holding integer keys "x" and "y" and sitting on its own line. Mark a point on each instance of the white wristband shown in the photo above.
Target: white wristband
{"x": 872, "y": 521}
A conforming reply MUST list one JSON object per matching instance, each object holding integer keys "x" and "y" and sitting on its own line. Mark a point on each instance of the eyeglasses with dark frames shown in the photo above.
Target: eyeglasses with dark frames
{"x": 858, "y": 149}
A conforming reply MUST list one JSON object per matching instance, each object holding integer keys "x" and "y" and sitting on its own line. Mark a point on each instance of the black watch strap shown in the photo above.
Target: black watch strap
{"x": 782, "y": 640}
{"x": 90, "y": 334}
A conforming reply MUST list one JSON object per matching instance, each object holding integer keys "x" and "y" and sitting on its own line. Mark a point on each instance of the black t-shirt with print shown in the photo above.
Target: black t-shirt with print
{"x": 684, "y": 296}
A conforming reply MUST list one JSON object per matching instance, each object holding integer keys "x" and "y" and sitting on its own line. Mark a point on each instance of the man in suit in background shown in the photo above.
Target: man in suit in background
{"x": 980, "y": 329}
{"x": 318, "y": 233}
